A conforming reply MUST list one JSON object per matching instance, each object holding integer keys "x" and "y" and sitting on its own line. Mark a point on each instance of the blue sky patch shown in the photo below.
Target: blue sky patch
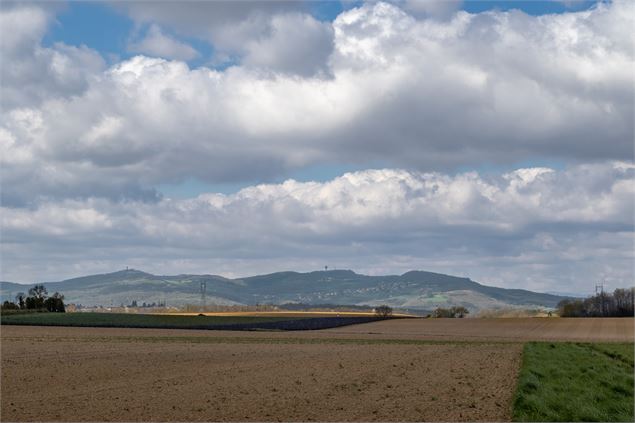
{"x": 95, "y": 25}
{"x": 108, "y": 30}
{"x": 530, "y": 7}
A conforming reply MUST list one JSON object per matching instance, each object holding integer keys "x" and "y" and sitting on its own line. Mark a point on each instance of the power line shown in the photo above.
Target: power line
{"x": 599, "y": 288}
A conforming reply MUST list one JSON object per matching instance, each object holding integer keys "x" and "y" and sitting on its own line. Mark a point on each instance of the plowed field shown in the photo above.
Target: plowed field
{"x": 510, "y": 329}
{"x": 407, "y": 370}
{"x": 82, "y": 374}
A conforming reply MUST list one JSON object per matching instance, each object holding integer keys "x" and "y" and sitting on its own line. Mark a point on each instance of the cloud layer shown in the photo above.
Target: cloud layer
{"x": 31, "y": 73}
{"x": 533, "y": 227}
{"x": 421, "y": 94}
{"x": 430, "y": 91}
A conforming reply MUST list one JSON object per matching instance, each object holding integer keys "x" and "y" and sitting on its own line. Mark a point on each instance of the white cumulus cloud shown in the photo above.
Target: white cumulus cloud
{"x": 420, "y": 94}
{"x": 518, "y": 229}
{"x": 157, "y": 43}
{"x": 84, "y": 146}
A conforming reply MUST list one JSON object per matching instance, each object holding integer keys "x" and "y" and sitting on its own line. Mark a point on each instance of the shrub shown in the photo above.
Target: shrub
{"x": 55, "y": 303}
{"x": 459, "y": 312}
{"x": 383, "y": 311}
{"x": 7, "y": 305}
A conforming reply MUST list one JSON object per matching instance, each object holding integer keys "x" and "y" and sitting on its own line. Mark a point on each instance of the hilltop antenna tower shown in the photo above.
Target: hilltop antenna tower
{"x": 203, "y": 292}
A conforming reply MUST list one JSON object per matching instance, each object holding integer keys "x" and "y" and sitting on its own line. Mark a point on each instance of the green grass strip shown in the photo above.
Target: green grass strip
{"x": 575, "y": 382}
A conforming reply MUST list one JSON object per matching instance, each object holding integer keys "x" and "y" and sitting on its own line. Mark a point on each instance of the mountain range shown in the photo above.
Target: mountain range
{"x": 415, "y": 290}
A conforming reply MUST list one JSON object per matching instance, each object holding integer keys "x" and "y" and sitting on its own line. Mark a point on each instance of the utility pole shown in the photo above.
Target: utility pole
{"x": 599, "y": 290}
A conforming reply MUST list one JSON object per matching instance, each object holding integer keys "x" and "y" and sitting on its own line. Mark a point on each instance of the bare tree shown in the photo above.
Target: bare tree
{"x": 36, "y": 297}
{"x": 618, "y": 304}
{"x": 19, "y": 299}
{"x": 38, "y": 291}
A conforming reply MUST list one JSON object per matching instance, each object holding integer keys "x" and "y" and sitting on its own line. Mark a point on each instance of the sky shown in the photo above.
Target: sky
{"x": 486, "y": 139}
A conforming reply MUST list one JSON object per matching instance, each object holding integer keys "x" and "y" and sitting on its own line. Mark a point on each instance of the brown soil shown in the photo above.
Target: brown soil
{"x": 85, "y": 374}
{"x": 377, "y": 371}
{"x": 508, "y": 329}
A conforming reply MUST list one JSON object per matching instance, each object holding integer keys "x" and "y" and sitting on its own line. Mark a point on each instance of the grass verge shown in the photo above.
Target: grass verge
{"x": 575, "y": 382}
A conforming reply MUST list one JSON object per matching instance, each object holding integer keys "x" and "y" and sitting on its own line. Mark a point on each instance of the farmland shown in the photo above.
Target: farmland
{"x": 508, "y": 329}
{"x": 228, "y": 321}
{"x": 403, "y": 369}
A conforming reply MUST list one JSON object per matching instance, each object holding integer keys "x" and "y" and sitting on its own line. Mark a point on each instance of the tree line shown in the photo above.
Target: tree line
{"x": 453, "y": 312}
{"x": 134, "y": 303}
{"x": 37, "y": 299}
{"x": 604, "y": 304}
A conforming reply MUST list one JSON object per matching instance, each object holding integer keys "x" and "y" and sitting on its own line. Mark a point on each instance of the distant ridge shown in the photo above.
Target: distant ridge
{"x": 417, "y": 290}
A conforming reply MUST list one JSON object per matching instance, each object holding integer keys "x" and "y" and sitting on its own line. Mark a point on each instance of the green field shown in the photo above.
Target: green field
{"x": 436, "y": 298}
{"x": 133, "y": 320}
{"x": 575, "y": 382}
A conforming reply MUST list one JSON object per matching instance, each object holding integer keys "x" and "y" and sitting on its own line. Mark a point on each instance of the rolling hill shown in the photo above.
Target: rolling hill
{"x": 416, "y": 290}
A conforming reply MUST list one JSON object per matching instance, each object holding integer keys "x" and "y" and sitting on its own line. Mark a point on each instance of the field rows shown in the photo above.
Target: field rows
{"x": 233, "y": 381}
{"x": 400, "y": 370}
{"x": 491, "y": 329}
{"x": 234, "y": 321}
